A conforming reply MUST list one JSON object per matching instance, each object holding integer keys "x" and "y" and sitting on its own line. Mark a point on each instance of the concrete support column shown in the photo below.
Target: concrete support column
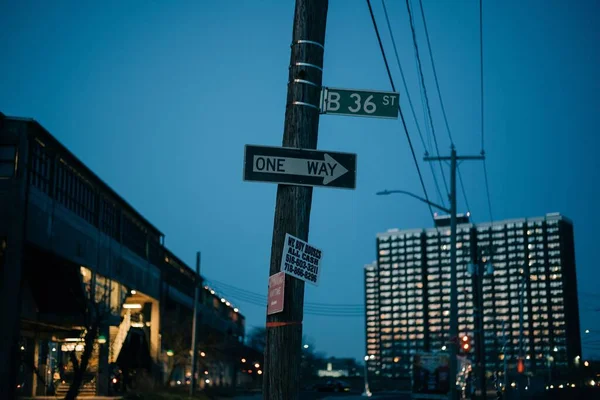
{"x": 42, "y": 365}
{"x": 35, "y": 382}
{"x": 155, "y": 345}
{"x": 27, "y": 360}
{"x": 103, "y": 377}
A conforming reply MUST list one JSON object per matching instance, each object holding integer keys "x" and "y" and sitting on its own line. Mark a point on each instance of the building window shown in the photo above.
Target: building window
{"x": 75, "y": 193}
{"x": 40, "y": 167}
{"x": 8, "y": 161}
{"x": 134, "y": 236}
{"x": 110, "y": 219}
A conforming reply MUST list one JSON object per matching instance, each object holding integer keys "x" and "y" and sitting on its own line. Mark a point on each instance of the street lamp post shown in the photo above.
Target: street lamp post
{"x": 454, "y": 159}
{"x": 367, "y": 392}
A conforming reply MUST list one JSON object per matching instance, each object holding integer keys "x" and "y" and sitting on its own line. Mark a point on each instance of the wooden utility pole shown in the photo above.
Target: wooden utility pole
{"x": 281, "y": 378}
{"x": 454, "y": 340}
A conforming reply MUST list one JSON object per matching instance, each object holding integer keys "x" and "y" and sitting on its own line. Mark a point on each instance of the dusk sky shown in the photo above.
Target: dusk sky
{"x": 159, "y": 99}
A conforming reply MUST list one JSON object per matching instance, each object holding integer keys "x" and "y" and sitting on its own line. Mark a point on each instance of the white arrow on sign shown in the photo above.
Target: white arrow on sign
{"x": 329, "y": 169}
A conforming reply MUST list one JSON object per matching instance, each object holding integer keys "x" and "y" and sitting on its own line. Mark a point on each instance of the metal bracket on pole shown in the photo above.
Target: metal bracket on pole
{"x": 306, "y": 82}
{"x": 301, "y": 103}
{"x": 305, "y": 64}
{"x": 303, "y": 41}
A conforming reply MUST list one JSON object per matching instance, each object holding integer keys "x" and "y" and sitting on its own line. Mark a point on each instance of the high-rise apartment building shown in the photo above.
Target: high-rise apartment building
{"x": 372, "y": 316}
{"x": 529, "y": 298}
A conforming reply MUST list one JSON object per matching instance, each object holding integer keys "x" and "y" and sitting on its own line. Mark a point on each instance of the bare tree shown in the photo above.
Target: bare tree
{"x": 177, "y": 338}
{"x": 257, "y": 338}
{"x": 96, "y": 311}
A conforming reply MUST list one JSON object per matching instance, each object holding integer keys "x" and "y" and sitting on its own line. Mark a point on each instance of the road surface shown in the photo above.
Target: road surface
{"x": 341, "y": 396}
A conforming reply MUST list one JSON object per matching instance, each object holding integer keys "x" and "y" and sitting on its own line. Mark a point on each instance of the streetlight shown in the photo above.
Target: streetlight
{"x": 587, "y": 331}
{"x": 414, "y": 196}
{"x": 453, "y": 279}
{"x": 367, "y": 392}
{"x": 306, "y": 346}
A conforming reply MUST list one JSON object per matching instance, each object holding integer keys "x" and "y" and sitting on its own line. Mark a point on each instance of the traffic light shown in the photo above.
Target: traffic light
{"x": 465, "y": 344}
{"x": 520, "y": 366}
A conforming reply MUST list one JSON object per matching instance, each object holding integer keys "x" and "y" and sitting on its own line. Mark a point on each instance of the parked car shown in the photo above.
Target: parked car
{"x": 333, "y": 385}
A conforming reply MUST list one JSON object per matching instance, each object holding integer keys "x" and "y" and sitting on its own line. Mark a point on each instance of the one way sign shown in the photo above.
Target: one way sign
{"x": 293, "y": 166}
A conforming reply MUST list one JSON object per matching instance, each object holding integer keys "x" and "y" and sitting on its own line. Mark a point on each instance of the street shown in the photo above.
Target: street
{"x": 345, "y": 396}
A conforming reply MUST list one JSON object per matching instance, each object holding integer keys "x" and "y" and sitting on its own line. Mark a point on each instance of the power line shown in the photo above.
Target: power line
{"x": 439, "y": 92}
{"x": 462, "y": 187}
{"x": 412, "y": 108}
{"x": 437, "y": 84}
{"x": 307, "y": 311}
{"x": 387, "y": 67}
{"x": 262, "y": 296}
{"x": 481, "y": 67}
{"x": 261, "y": 301}
{"x": 420, "y": 68}
{"x": 485, "y": 174}
{"x": 258, "y": 299}
{"x": 410, "y": 103}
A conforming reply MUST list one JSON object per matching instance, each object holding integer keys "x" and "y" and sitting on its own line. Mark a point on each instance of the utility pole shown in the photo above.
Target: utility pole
{"x": 281, "y": 378}
{"x": 195, "y": 325}
{"x": 521, "y": 300}
{"x": 481, "y": 268}
{"x": 505, "y": 366}
{"x": 479, "y": 272}
{"x": 453, "y": 282}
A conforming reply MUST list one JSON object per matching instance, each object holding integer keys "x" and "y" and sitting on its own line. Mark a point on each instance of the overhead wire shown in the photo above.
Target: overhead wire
{"x": 440, "y": 98}
{"x": 485, "y": 173}
{"x": 402, "y": 114}
{"x": 257, "y": 299}
{"x": 387, "y": 67}
{"x": 228, "y": 286}
{"x": 410, "y": 103}
{"x": 437, "y": 84}
{"x": 307, "y": 310}
{"x": 462, "y": 187}
{"x": 422, "y": 78}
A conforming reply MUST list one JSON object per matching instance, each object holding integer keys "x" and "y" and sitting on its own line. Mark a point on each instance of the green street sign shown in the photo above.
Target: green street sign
{"x": 361, "y": 103}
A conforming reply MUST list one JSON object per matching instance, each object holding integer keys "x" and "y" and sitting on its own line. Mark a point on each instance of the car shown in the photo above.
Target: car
{"x": 333, "y": 385}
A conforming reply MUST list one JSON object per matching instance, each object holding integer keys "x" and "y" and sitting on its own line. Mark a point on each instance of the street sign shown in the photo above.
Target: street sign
{"x": 293, "y": 166}
{"x": 361, "y": 103}
{"x": 301, "y": 260}
{"x": 276, "y": 292}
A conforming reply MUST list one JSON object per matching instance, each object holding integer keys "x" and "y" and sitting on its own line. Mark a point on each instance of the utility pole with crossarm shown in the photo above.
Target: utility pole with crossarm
{"x": 453, "y": 158}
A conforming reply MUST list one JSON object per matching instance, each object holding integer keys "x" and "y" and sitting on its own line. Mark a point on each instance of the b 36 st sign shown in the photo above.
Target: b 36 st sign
{"x": 362, "y": 103}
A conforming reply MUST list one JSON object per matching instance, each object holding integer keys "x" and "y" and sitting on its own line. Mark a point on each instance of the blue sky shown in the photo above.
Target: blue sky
{"x": 159, "y": 99}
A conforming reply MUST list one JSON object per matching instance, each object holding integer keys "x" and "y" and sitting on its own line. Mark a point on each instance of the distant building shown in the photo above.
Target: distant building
{"x": 338, "y": 368}
{"x": 408, "y": 294}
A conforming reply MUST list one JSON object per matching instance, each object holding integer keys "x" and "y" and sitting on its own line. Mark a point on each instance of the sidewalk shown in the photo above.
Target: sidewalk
{"x": 86, "y": 398}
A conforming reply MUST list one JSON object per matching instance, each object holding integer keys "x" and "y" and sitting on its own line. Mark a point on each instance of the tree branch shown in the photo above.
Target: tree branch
{"x": 74, "y": 361}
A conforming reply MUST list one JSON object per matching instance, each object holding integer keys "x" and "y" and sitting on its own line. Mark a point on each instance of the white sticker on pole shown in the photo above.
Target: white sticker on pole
{"x": 301, "y": 260}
